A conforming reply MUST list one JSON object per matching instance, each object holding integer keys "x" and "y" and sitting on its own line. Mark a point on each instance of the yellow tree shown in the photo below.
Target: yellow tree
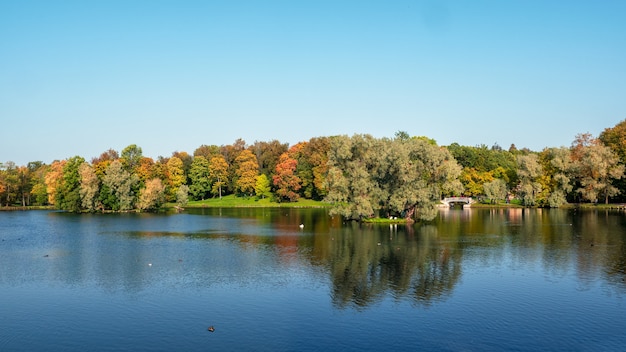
{"x": 146, "y": 169}
{"x": 152, "y": 196}
{"x": 473, "y": 180}
{"x": 101, "y": 163}
{"x": 598, "y": 167}
{"x": 247, "y": 169}
{"x": 53, "y": 178}
{"x": 89, "y": 186}
{"x": 176, "y": 176}
{"x": 218, "y": 173}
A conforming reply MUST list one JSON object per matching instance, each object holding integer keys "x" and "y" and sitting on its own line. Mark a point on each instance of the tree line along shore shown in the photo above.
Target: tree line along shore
{"x": 358, "y": 177}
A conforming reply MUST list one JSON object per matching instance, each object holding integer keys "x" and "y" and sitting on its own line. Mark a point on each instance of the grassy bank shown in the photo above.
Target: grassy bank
{"x": 232, "y": 201}
{"x": 28, "y": 207}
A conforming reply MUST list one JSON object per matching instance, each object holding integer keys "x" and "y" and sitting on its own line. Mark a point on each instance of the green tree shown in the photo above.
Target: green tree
{"x": 9, "y": 182}
{"x": 529, "y": 173}
{"x": 118, "y": 187}
{"x": 24, "y": 184}
{"x": 262, "y": 188}
{"x": 89, "y": 187}
{"x": 38, "y": 184}
{"x": 130, "y": 158}
{"x": 182, "y": 195}
{"x": 487, "y": 163}
{"x": 615, "y": 138}
{"x": 597, "y": 168}
{"x": 68, "y": 192}
{"x": 313, "y": 167}
{"x": 352, "y": 188}
{"x": 495, "y": 190}
{"x": 422, "y": 173}
{"x": 557, "y": 169}
{"x": 199, "y": 175}
{"x": 401, "y": 176}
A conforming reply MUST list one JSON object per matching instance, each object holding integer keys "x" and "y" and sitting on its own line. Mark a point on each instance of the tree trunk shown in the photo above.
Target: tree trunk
{"x": 409, "y": 213}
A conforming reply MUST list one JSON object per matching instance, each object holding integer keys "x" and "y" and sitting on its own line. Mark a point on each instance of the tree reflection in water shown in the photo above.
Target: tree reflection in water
{"x": 366, "y": 262}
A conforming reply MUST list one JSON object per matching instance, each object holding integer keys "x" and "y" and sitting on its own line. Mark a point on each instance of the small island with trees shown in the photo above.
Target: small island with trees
{"x": 359, "y": 177}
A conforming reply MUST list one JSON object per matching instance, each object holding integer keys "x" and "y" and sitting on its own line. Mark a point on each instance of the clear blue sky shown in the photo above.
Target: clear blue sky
{"x": 80, "y": 77}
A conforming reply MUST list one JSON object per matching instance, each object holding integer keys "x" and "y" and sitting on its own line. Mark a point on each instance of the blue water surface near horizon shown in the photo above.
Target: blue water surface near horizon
{"x": 473, "y": 280}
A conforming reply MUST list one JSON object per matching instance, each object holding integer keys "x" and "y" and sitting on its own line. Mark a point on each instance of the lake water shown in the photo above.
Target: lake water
{"x": 472, "y": 280}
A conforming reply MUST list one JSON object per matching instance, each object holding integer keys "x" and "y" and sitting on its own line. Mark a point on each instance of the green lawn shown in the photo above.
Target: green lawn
{"x": 232, "y": 201}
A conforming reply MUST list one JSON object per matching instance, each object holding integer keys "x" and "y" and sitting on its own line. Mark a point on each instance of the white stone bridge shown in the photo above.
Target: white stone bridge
{"x": 457, "y": 200}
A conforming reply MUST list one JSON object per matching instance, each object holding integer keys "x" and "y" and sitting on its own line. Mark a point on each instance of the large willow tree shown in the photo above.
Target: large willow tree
{"x": 405, "y": 176}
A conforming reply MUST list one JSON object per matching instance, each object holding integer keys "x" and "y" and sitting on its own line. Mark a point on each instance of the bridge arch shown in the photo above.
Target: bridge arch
{"x": 449, "y": 201}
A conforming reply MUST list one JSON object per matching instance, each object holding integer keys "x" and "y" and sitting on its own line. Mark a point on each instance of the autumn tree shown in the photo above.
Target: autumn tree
{"x": 146, "y": 170}
{"x": 207, "y": 151}
{"x": 557, "y": 175}
{"x": 285, "y": 180}
{"x": 268, "y": 154}
{"x": 152, "y": 196}
{"x": 247, "y": 169}
{"x": 615, "y": 138}
{"x": 218, "y": 173}
{"x": 101, "y": 163}
{"x": 597, "y": 167}
{"x": 175, "y": 176}
{"x": 230, "y": 153}
{"x": 53, "y": 180}
{"x": 187, "y": 161}
{"x": 473, "y": 181}
{"x": 159, "y": 170}
{"x": 313, "y": 167}
{"x": 89, "y": 187}
{"x": 482, "y": 164}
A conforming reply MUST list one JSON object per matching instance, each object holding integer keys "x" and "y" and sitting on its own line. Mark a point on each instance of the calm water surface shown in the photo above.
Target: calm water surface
{"x": 473, "y": 280}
